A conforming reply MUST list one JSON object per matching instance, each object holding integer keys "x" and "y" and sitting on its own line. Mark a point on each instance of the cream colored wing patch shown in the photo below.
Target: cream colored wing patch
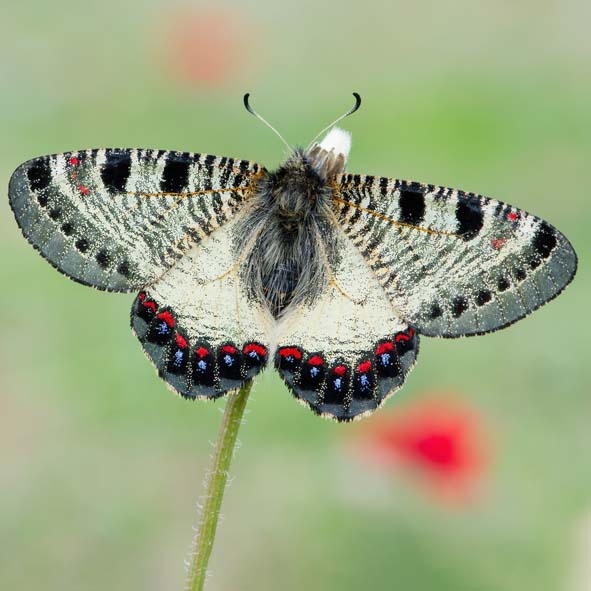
{"x": 350, "y": 350}
{"x": 197, "y": 326}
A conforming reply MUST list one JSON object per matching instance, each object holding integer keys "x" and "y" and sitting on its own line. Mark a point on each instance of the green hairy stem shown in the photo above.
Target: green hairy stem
{"x": 217, "y": 477}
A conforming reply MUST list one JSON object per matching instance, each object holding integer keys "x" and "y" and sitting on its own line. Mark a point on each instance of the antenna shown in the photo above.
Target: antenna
{"x": 253, "y": 112}
{"x": 349, "y": 112}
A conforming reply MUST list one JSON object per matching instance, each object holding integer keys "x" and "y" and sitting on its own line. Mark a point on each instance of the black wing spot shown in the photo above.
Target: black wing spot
{"x": 544, "y": 240}
{"x": 364, "y": 382}
{"x": 459, "y": 306}
{"x": 55, "y": 213}
{"x": 226, "y": 168}
{"x": 313, "y": 373}
{"x": 412, "y": 207}
{"x": 161, "y": 328}
{"x": 175, "y": 175}
{"x": 470, "y": 217}
{"x": 484, "y": 296}
{"x": 208, "y": 164}
{"x": 230, "y": 362}
{"x": 123, "y": 269}
{"x": 520, "y": 274}
{"x": 435, "y": 312}
{"x": 82, "y": 244}
{"x": 39, "y": 175}
{"x": 503, "y": 284}
{"x": 115, "y": 171}
{"x": 535, "y": 262}
{"x": 103, "y": 258}
{"x": 336, "y": 390}
{"x": 238, "y": 180}
{"x": 67, "y": 228}
{"x": 178, "y": 360}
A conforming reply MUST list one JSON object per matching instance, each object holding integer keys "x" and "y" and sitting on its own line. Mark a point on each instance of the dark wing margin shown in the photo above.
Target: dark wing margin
{"x": 117, "y": 219}
{"x": 453, "y": 263}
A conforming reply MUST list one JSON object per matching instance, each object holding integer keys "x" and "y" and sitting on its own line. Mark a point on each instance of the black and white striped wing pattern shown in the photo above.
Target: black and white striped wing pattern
{"x": 117, "y": 219}
{"x": 452, "y": 263}
{"x": 347, "y": 352}
{"x": 197, "y": 325}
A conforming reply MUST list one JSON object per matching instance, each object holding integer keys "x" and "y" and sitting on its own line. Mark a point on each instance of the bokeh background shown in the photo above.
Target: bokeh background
{"x": 475, "y": 477}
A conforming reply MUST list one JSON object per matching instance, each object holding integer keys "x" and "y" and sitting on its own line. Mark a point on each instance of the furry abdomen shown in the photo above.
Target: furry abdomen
{"x": 287, "y": 237}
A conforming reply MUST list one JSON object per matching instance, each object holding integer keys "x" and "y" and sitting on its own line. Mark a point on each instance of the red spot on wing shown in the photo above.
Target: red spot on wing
{"x": 498, "y": 243}
{"x": 230, "y": 349}
{"x": 83, "y": 189}
{"x": 404, "y": 336}
{"x": 316, "y": 360}
{"x": 290, "y": 352}
{"x": 167, "y": 317}
{"x": 364, "y": 366}
{"x": 202, "y": 352}
{"x": 512, "y": 216}
{"x": 142, "y": 296}
{"x": 181, "y": 341}
{"x": 386, "y": 347}
{"x": 256, "y": 348}
{"x": 149, "y": 304}
{"x": 74, "y": 161}
{"x": 340, "y": 370}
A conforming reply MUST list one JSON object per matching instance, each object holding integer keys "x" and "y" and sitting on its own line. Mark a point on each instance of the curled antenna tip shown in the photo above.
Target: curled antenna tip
{"x": 357, "y": 103}
{"x": 247, "y": 104}
{"x": 253, "y": 112}
{"x": 350, "y": 112}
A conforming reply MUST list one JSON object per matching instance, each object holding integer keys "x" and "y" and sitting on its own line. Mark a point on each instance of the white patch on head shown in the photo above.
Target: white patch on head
{"x": 337, "y": 140}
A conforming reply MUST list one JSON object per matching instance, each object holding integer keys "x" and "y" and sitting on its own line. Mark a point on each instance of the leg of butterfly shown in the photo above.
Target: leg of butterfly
{"x": 198, "y": 327}
{"x": 346, "y": 353}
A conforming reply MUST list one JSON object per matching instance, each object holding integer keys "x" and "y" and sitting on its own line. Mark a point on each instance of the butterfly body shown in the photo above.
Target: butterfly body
{"x": 329, "y": 277}
{"x": 287, "y": 237}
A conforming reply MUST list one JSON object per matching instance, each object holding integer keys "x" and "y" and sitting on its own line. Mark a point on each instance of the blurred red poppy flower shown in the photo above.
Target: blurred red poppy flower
{"x": 206, "y": 47}
{"x": 440, "y": 442}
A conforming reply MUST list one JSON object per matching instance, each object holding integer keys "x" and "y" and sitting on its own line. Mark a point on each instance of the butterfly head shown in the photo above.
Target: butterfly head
{"x": 329, "y": 157}
{"x": 300, "y": 187}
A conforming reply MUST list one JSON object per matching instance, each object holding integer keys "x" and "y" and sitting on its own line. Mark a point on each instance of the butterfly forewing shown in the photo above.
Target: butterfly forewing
{"x": 116, "y": 219}
{"x": 453, "y": 263}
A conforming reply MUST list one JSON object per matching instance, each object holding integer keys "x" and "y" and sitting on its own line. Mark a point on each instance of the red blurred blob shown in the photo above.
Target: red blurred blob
{"x": 440, "y": 442}
{"x": 206, "y": 47}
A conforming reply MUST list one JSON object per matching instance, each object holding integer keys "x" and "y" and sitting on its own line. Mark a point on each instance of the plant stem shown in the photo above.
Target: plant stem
{"x": 217, "y": 477}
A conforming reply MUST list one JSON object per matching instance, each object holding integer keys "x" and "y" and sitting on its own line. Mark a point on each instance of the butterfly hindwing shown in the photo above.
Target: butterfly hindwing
{"x": 117, "y": 219}
{"x": 347, "y": 352}
{"x": 198, "y": 327}
{"x": 453, "y": 263}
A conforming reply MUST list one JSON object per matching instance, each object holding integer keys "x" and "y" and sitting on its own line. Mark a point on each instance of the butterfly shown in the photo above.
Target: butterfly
{"x": 330, "y": 277}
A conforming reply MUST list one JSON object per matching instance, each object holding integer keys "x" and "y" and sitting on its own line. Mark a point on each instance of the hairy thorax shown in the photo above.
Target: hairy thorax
{"x": 288, "y": 236}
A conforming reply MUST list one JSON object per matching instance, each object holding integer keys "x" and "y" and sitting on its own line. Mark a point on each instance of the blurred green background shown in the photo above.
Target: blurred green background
{"x": 101, "y": 466}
